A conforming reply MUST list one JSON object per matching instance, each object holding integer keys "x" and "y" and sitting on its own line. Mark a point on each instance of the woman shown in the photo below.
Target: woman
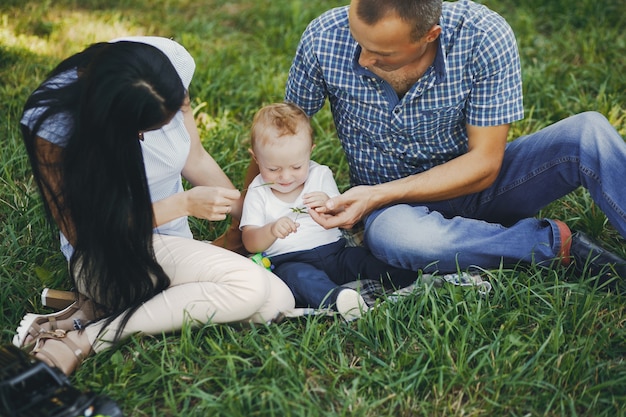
{"x": 109, "y": 134}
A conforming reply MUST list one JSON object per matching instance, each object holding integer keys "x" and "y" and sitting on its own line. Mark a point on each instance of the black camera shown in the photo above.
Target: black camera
{"x": 29, "y": 387}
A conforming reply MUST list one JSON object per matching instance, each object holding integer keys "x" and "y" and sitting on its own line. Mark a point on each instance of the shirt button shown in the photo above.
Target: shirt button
{"x": 396, "y": 110}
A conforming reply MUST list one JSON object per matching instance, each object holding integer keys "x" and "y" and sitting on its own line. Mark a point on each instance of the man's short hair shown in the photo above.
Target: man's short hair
{"x": 423, "y": 14}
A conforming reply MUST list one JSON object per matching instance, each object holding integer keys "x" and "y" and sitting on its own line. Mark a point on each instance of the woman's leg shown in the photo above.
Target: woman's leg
{"x": 208, "y": 283}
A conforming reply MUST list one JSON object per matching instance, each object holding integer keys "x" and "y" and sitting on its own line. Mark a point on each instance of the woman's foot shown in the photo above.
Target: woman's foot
{"x": 74, "y": 317}
{"x": 62, "y": 350}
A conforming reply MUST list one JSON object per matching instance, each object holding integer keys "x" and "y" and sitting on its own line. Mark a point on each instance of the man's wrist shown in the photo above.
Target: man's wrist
{"x": 380, "y": 195}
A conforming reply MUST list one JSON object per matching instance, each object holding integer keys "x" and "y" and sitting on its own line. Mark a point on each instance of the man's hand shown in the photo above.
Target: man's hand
{"x": 345, "y": 210}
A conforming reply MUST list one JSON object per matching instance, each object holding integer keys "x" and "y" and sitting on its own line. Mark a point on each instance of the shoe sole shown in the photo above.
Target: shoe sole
{"x": 27, "y": 322}
{"x": 22, "y": 331}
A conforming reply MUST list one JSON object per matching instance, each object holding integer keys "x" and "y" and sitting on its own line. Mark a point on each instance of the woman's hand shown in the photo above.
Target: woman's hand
{"x": 211, "y": 203}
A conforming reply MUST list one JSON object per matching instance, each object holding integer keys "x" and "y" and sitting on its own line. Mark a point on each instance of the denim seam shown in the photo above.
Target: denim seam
{"x": 527, "y": 177}
{"x": 594, "y": 177}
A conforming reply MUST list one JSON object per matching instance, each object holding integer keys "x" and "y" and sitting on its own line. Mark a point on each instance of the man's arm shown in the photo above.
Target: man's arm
{"x": 469, "y": 173}
{"x": 306, "y": 85}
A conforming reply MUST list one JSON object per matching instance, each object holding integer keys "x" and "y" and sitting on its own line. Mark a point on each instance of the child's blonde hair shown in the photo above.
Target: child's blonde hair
{"x": 276, "y": 120}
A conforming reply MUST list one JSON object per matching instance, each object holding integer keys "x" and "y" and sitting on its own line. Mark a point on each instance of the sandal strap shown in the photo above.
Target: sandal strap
{"x": 43, "y": 335}
{"x": 61, "y": 336}
{"x": 53, "y": 322}
{"x": 32, "y": 324}
{"x": 37, "y": 332}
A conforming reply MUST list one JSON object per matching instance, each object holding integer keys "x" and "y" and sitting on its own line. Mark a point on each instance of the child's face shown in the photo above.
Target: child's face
{"x": 284, "y": 161}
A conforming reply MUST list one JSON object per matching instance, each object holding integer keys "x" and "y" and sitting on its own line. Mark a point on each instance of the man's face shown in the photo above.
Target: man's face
{"x": 386, "y": 45}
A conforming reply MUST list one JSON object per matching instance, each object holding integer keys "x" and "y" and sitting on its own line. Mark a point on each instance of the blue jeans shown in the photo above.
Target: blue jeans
{"x": 496, "y": 226}
{"x": 314, "y": 275}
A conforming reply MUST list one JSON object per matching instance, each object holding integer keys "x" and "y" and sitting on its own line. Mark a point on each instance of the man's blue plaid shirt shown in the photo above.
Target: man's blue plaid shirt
{"x": 475, "y": 79}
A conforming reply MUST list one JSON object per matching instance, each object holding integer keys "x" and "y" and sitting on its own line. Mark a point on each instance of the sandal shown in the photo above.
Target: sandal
{"x": 50, "y": 352}
{"x": 81, "y": 311}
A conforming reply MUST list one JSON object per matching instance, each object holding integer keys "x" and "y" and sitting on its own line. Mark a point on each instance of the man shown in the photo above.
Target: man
{"x": 422, "y": 95}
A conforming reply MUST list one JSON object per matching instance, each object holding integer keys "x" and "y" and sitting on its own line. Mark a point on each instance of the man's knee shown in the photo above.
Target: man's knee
{"x": 404, "y": 229}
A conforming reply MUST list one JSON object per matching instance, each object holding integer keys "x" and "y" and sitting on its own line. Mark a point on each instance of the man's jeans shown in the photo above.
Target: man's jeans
{"x": 495, "y": 226}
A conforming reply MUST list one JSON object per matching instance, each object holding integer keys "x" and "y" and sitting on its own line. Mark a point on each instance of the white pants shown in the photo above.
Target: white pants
{"x": 208, "y": 283}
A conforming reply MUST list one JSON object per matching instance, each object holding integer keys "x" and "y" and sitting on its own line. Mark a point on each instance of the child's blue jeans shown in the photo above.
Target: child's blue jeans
{"x": 314, "y": 275}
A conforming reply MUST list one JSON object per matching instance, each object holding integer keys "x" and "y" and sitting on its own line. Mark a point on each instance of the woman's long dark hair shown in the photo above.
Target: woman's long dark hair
{"x": 122, "y": 89}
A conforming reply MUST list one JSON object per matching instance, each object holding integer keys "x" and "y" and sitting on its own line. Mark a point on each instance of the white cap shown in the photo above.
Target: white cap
{"x": 179, "y": 57}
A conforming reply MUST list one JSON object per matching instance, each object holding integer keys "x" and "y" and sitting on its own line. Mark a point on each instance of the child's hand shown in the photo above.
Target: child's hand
{"x": 315, "y": 199}
{"x": 283, "y": 227}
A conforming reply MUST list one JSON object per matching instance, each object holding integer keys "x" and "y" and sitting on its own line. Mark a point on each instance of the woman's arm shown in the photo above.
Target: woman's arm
{"x": 213, "y": 195}
{"x": 49, "y": 157}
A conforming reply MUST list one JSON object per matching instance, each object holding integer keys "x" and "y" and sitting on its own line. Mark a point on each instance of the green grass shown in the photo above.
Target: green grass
{"x": 542, "y": 343}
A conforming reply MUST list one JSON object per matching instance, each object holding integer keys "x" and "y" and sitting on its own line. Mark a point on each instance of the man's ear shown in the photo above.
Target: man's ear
{"x": 313, "y": 147}
{"x": 433, "y": 33}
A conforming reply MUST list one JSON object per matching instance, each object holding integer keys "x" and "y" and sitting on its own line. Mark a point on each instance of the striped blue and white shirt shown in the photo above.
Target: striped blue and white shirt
{"x": 475, "y": 79}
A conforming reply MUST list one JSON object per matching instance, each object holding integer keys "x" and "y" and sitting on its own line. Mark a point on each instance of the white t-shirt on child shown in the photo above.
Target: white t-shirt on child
{"x": 261, "y": 207}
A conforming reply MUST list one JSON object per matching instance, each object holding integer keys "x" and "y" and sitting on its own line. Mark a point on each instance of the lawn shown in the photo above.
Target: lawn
{"x": 543, "y": 342}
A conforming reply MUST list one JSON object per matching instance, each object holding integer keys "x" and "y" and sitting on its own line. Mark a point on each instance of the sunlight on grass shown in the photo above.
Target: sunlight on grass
{"x": 67, "y": 31}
